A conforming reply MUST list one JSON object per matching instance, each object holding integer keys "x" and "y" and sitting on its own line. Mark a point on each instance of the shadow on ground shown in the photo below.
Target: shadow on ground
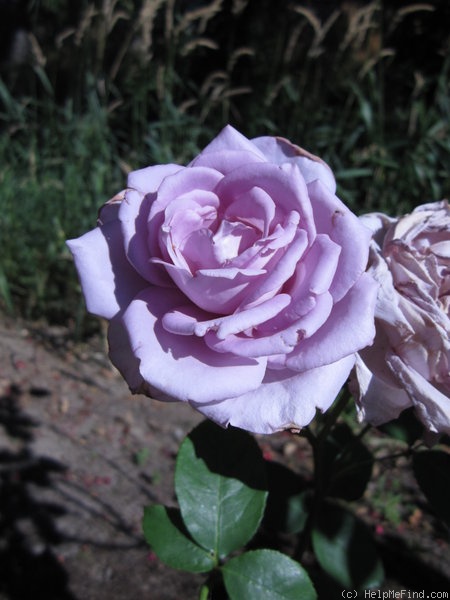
{"x": 28, "y": 527}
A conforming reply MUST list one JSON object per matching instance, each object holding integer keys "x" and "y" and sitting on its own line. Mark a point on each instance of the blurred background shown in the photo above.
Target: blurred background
{"x": 92, "y": 90}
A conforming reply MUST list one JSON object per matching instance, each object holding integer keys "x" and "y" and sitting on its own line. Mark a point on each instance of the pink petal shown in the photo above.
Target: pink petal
{"x": 149, "y": 179}
{"x": 378, "y": 223}
{"x": 231, "y": 239}
{"x": 230, "y": 139}
{"x": 226, "y": 161}
{"x": 278, "y": 150}
{"x": 133, "y": 214}
{"x": 282, "y": 270}
{"x": 182, "y": 367}
{"x": 218, "y": 291}
{"x": 432, "y": 406}
{"x": 108, "y": 280}
{"x": 343, "y": 227}
{"x": 285, "y": 400}
{"x": 123, "y": 358}
{"x": 188, "y": 320}
{"x": 183, "y": 182}
{"x": 198, "y": 251}
{"x": 349, "y": 328}
{"x": 255, "y": 207}
{"x": 377, "y": 400}
{"x": 283, "y": 340}
{"x": 110, "y": 210}
{"x": 316, "y": 270}
{"x": 284, "y": 184}
{"x": 189, "y": 216}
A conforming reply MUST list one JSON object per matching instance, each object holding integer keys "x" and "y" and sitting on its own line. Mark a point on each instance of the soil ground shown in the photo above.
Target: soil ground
{"x": 79, "y": 459}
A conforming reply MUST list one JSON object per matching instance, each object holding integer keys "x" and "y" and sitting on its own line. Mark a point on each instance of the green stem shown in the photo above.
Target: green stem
{"x": 332, "y": 416}
{"x": 204, "y": 592}
{"x": 317, "y": 445}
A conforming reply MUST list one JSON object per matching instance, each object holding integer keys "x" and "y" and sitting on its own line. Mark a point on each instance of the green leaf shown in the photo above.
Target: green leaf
{"x": 345, "y": 549}
{"x": 432, "y": 471}
{"x": 283, "y": 511}
{"x": 220, "y": 482}
{"x": 406, "y": 428}
{"x": 163, "y": 531}
{"x": 298, "y": 509}
{"x": 266, "y": 575}
{"x": 348, "y": 464}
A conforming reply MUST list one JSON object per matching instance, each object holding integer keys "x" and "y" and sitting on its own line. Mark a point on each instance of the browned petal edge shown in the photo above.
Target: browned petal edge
{"x": 117, "y": 199}
{"x": 299, "y": 151}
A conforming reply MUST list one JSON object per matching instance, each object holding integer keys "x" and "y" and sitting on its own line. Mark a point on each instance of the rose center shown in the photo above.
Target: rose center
{"x": 231, "y": 239}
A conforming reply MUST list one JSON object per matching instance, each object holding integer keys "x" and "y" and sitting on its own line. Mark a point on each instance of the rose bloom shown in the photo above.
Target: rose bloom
{"x": 236, "y": 283}
{"x": 408, "y": 364}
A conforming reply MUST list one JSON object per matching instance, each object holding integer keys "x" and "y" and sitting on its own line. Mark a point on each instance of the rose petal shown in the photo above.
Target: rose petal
{"x": 349, "y": 328}
{"x": 332, "y": 217}
{"x": 188, "y": 320}
{"x": 108, "y": 280}
{"x": 284, "y": 184}
{"x": 255, "y": 207}
{"x": 149, "y": 179}
{"x": 281, "y": 271}
{"x": 377, "y": 400}
{"x": 183, "y": 367}
{"x": 218, "y": 291}
{"x": 182, "y": 183}
{"x": 285, "y": 400}
{"x": 230, "y": 139}
{"x": 189, "y": 216}
{"x": 124, "y": 359}
{"x": 431, "y": 405}
{"x": 279, "y": 150}
{"x": 110, "y": 210}
{"x": 133, "y": 215}
{"x": 378, "y": 223}
{"x": 283, "y": 340}
{"x": 317, "y": 269}
{"x": 226, "y": 161}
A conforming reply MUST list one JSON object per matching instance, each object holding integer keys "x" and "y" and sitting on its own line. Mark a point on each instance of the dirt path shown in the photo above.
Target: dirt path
{"x": 79, "y": 459}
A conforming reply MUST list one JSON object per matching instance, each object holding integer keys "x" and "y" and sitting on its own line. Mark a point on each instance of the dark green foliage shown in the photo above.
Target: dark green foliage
{"x": 432, "y": 471}
{"x": 345, "y": 549}
{"x": 113, "y": 86}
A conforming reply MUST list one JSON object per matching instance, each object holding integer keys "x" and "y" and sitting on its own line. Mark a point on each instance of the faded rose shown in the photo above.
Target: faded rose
{"x": 236, "y": 283}
{"x": 408, "y": 364}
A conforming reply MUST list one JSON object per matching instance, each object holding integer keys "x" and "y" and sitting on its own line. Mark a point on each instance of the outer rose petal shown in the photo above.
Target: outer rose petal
{"x": 382, "y": 402}
{"x": 332, "y": 217}
{"x": 432, "y": 406}
{"x": 182, "y": 367}
{"x": 279, "y": 150}
{"x": 343, "y": 332}
{"x": 149, "y": 179}
{"x": 285, "y": 400}
{"x": 225, "y": 161}
{"x": 133, "y": 214}
{"x": 230, "y": 139}
{"x": 108, "y": 280}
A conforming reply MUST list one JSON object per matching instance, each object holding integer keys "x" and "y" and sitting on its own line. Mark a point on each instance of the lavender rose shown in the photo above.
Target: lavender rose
{"x": 235, "y": 283}
{"x": 409, "y": 362}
